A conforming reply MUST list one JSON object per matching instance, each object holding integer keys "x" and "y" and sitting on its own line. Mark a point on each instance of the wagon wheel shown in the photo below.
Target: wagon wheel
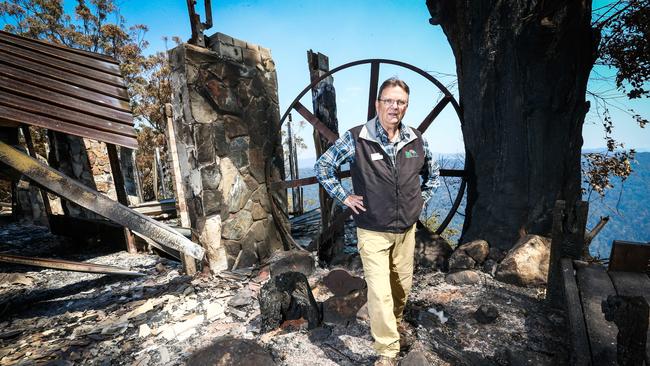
{"x": 331, "y": 136}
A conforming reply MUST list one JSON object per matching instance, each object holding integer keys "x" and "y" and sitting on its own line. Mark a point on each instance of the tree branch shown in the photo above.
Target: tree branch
{"x": 589, "y": 236}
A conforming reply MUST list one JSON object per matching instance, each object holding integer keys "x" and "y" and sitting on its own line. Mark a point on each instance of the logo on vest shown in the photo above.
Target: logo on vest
{"x": 410, "y": 154}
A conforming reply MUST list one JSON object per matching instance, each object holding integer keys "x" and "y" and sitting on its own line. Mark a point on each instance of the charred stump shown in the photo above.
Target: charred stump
{"x": 288, "y": 296}
{"x": 630, "y": 314}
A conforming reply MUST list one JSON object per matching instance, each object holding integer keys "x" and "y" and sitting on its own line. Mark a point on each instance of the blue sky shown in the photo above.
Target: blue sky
{"x": 352, "y": 30}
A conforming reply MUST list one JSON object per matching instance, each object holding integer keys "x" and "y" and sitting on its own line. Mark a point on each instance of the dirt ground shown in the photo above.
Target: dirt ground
{"x": 162, "y": 318}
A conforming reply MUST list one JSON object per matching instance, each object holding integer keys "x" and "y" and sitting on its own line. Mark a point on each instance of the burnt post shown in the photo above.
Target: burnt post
{"x": 324, "y": 102}
{"x": 567, "y": 241}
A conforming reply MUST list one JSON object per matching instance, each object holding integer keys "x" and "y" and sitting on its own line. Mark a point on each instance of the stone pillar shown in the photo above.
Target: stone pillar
{"x": 100, "y": 167}
{"x": 226, "y": 122}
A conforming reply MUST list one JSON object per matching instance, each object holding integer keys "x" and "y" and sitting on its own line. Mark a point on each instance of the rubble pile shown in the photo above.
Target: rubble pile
{"x": 166, "y": 318}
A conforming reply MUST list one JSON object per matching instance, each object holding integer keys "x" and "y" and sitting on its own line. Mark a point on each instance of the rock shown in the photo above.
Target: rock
{"x": 477, "y": 249}
{"x": 239, "y": 151}
{"x": 287, "y": 296}
{"x": 235, "y": 227}
{"x": 467, "y": 277}
{"x": 431, "y": 250}
{"x": 258, "y": 230}
{"x": 344, "y": 309}
{"x": 469, "y": 255}
{"x": 234, "y": 126}
{"x": 223, "y": 96}
{"x": 459, "y": 261}
{"x": 490, "y": 267}
{"x": 245, "y": 259}
{"x": 497, "y": 254}
{"x": 209, "y": 232}
{"x": 320, "y": 334}
{"x": 414, "y": 358}
{"x": 239, "y": 194}
{"x": 486, "y": 314}
{"x": 242, "y": 298}
{"x": 228, "y": 351}
{"x": 292, "y": 261}
{"x": 258, "y": 212}
{"x": 341, "y": 282}
{"x": 526, "y": 264}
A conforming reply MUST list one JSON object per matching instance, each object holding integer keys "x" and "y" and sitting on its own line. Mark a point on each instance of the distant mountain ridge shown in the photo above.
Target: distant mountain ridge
{"x": 627, "y": 204}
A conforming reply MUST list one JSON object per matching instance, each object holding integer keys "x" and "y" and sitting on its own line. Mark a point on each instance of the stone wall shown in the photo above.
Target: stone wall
{"x": 226, "y": 122}
{"x": 100, "y": 167}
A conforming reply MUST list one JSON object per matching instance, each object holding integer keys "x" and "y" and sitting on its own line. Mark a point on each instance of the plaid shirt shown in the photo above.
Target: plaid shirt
{"x": 343, "y": 151}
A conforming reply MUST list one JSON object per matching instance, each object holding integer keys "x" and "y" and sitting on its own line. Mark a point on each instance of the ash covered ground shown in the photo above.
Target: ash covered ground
{"x": 165, "y": 318}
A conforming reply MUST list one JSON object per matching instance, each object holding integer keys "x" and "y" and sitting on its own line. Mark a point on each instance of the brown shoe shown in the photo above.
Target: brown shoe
{"x": 386, "y": 361}
{"x": 406, "y": 337}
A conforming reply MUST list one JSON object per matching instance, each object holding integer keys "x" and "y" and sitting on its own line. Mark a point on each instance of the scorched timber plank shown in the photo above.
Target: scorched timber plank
{"x": 581, "y": 355}
{"x": 595, "y": 286}
{"x": 94, "y": 201}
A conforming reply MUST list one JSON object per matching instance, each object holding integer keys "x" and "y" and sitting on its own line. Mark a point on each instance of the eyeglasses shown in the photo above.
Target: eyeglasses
{"x": 389, "y": 102}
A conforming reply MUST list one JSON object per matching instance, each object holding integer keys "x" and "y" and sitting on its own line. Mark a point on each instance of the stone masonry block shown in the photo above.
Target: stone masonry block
{"x": 239, "y": 43}
{"x": 223, "y": 38}
{"x": 233, "y": 53}
{"x": 251, "y": 57}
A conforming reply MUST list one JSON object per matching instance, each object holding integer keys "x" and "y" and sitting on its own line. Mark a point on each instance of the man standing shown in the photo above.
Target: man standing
{"x": 387, "y": 159}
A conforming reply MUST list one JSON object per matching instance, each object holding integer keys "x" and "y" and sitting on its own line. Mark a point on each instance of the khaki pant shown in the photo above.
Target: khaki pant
{"x": 388, "y": 268}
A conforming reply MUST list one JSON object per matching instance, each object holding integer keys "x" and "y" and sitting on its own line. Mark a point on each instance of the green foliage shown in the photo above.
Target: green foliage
{"x": 599, "y": 168}
{"x": 626, "y": 31}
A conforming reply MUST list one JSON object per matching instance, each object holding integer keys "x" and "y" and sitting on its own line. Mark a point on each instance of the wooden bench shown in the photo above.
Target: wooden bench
{"x": 587, "y": 286}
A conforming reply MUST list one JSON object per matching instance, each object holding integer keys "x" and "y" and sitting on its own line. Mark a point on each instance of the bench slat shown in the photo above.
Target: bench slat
{"x": 581, "y": 355}
{"x": 595, "y": 286}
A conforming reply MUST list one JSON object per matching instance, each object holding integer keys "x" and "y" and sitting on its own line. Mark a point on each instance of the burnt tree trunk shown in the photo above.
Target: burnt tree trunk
{"x": 522, "y": 77}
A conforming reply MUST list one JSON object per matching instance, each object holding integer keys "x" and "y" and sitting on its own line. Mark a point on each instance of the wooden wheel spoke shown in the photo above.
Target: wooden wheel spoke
{"x": 372, "y": 93}
{"x": 434, "y": 113}
{"x": 302, "y": 181}
{"x": 314, "y": 121}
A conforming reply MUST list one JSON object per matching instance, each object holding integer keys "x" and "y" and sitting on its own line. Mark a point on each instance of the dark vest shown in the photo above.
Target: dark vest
{"x": 391, "y": 194}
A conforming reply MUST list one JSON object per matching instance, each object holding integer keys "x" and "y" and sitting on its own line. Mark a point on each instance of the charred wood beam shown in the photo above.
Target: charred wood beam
{"x": 94, "y": 201}
{"x": 346, "y": 174}
{"x": 314, "y": 121}
{"x": 64, "y": 265}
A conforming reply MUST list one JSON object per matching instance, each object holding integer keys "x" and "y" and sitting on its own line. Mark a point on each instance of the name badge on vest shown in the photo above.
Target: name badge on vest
{"x": 376, "y": 156}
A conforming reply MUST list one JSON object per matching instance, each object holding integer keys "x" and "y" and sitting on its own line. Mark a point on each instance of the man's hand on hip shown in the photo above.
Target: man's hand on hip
{"x": 355, "y": 203}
